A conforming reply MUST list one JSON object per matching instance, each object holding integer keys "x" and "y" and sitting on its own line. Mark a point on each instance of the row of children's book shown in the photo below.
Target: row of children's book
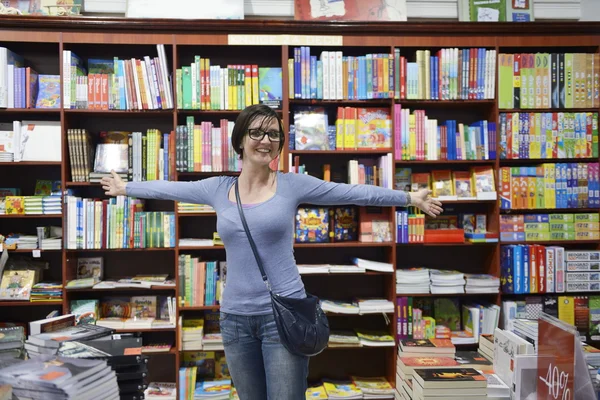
{"x": 418, "y": 137}
{"x": 355, "y": 128}
{"x": 117, "y": 84}
{"x": 548, "y": 269}
{"x": 448, "y": 74}
{"x": 548, "y": 135}
{"x": 560, "y": 185}
{"x": 201, "y": 282}
{"x": 205, "y": 147}
{"x": 202, "y": 86}
{"x": 548, "y": 80}
{"x": 134, "y": 156}
{"x": 477, "y": 183}
{"x": 549, "y": 227}
{"x": 116, "y": 223}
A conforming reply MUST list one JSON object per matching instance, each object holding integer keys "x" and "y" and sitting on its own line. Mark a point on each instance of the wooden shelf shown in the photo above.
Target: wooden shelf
{"x": 448, "y": 244}
{"x": 199, "y": 308}
{"x": 30, "y": 250}
{"x": 510, "y": 161}
{"x": 555, "y": 242}
{"x": 341, "y": 152}
{"x": 458, "y": 102}
{"x": 446, "y": 162}
{"x": 207, "y": 174}
{"x": 120, "y": 250}
{"x": 82, "y": 184}
{"x": 119, "y": 112}
{"x": 206, "y": 214}
{"x": 31, "y": 164}
{"x": 445, "y": 294}
{"x": 549, "y": 210}
{"x": 334, "y": 274}
{"x": 31, "y": 216}
{"x": 8, "y": 303}
{"x": 342, "y": 103}
{"x": 184, "y": 248}
{"x": 547, "y": 110}
{"x": 475, "y": 201}
{"x": 49, "y": 111}
{"x": 214, "y": 112}
{"x": 343, "y": 244}
{"x": 121, "y": 289}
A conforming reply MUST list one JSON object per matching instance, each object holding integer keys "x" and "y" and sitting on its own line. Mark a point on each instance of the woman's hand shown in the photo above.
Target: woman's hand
{"x": 113, "y": 185}
{"x": 422, "y": 200}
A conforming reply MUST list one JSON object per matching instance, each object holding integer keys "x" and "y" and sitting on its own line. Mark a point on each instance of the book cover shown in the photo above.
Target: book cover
{"x": 350, "y": 10}
{"x": 345, "y": 224}
{"x": 270, "y": 83}
{"x": 48, "y": 92}
{"x": 312, "y": 225}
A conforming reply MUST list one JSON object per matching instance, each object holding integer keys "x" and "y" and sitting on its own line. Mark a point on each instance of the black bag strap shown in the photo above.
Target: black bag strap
{"x": 252, "y": 244}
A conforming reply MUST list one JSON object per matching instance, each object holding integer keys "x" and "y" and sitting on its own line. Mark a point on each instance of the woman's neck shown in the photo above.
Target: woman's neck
{"x": 258, "y": 177}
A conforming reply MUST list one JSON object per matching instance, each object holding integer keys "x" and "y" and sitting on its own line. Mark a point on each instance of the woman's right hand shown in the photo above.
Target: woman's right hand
{"x": 113, "y": 185}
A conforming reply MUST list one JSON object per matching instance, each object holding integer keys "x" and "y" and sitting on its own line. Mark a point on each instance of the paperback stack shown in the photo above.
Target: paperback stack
{"x": 412, "y": 281}
{"x": 53, "y": 377}
{"x": 49, "y": 342}
{"x": 482, "y": 283}
{"x": 11, "y": 345}
{"x": 426, "y": 348}
{"x": 447, "y": 282}
{"x": 123, "y": 355}
{"x": 372, "y": 306}
{"x": 528, "y": 330}
{"x": 343, "y": 338}
{"x": 486, "y": 346}
{"x": 406, "y": 367}
{"x": 448, "y": 383}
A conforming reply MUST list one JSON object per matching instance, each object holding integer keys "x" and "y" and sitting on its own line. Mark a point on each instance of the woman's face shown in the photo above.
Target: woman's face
{"x": 261, "y": 142}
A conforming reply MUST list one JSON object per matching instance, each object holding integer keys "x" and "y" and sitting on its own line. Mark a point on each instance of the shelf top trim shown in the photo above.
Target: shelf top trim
{"x": 253, "y": 26}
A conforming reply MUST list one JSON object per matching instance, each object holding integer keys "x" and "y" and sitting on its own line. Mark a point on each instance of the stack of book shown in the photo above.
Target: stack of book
{"x": 46, "y": 291}
{"x": 528, "y": 330}
{"x": 52, "y": 377}
{"x": 486, "y": 346}
{"x": 48, "y": 342}
{"x": 447, "y": 282}
{"x": 343, "y": 338}
{"x": 441, "y": 382}
{"x": 192, "y": 331}
{"x": 482, "y": 283}
{"x": 123, "y": 355}
{"x": 412, "y": 281}
{"x": 371, "y": 306}
{"x": 11, "y": 345}
{"x": 407, "y": 365}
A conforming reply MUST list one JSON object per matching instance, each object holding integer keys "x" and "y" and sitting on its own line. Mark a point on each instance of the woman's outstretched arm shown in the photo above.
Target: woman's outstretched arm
{"x": 197, "y": 192}
{"x": 319, "y": 192}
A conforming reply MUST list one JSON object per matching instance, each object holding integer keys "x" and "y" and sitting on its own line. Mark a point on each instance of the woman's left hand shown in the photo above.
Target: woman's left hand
{"x": 422, "y": 199}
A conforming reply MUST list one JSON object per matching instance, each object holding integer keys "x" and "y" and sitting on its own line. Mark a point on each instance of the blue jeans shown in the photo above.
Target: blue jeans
{"x": 261, "y": 368}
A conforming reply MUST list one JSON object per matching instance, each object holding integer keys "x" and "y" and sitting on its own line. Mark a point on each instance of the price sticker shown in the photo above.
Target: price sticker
{"x": 37, "y": 253}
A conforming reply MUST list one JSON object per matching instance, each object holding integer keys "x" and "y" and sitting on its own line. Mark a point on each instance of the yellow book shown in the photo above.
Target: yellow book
{"x": 255, "y": 93}
{"x": 566, "y": 309}
{"x": 412, "y": 137}
{"x": 316, "y": 393}
{"x": 350, "y": 115}
{"x": 248, "y": 84}
{"x": 386, "y": 75}
{"x": 339, "y": 129}
{"x": 197, "y": 148}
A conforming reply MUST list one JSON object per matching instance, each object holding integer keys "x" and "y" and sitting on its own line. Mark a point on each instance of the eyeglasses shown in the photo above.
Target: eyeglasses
{"x": 259, "y": 134}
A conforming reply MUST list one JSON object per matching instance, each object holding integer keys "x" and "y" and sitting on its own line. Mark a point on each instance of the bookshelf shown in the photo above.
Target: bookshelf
{"x": 41, "y": 41}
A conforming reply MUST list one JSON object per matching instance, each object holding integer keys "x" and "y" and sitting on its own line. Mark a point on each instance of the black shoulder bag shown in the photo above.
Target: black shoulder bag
{"x": 302, "y": 325}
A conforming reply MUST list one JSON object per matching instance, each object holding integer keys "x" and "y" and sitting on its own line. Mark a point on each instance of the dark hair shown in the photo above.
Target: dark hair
{"x": 249, "y": 115}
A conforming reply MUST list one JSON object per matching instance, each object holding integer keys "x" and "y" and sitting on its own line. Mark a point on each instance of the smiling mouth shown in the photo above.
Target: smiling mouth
{"x": 265, "y": 151}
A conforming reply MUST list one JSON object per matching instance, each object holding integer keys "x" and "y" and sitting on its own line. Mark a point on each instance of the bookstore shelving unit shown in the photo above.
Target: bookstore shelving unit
{"x": 41, "y": 42}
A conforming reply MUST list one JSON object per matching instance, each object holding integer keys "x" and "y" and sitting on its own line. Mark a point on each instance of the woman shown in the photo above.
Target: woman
{"x": 261, "y": 368}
